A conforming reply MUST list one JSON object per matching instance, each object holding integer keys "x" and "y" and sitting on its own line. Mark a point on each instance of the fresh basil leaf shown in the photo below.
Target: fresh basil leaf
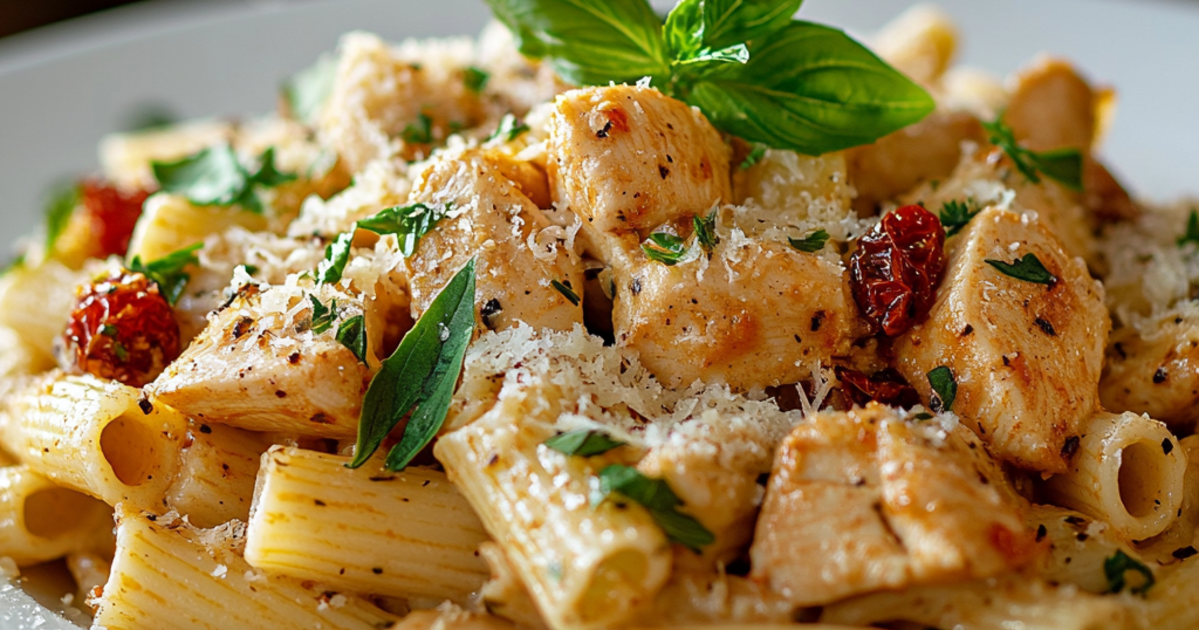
{"x": 212, "y": 177}
{"x": 588, "y": 42}
{"x": 323, "y": 316}
{"x": 955, "y": 215}
{"x": 1061, "y": 165}
{"x": 419, "y": 131}
{"x": 267, "y": 175}
{"x": 60, "y": 205}
{"x": 566, "y": 291}
{"x": 1192, "y": 233}
{"x": 352, "y": 334}
{"x": 582, "y": 443}
{"x": 475, "y": 79}
{"x": 755, "y": 156}
{"x": 812, "y": 89}
{"x": 420, "y": 374}
{"x": 728, "y": 22}
{"x": 408, "y": 223}
{"x": 509, "y": 129}
{"x": 705, "y": 230}
{"x": 1115, "y": 568}
{"x": 1027, "y": 268}
{"x": 657, "y": 497}
{"x": 706, "y": 60}
{"x": 811, "y": 243}
{"x": 337, "y": 254}
{"x": 665, "y": 248}
{"x": 168, "y": 272}
{"x": 945, "y": 389}
{"x": 308, "y": 90}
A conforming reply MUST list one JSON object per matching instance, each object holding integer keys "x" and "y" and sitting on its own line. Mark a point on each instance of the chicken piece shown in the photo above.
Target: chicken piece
{"x": 870, "y": 499}
{"x": 1155, "y": 372}
{"x": 752, "y": 315}
{"x": 1026, "y": 356}
{"x": 260, "y": 365}
{"x": 520, "y": 253}
{"x": 628, "y": 158}
{"x": 921, "y": 43}
{"x": 1052, "y": 107}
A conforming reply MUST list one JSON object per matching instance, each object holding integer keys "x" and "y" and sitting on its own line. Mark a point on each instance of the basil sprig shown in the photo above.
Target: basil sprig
{"x": 754, "y": 71}
{"x": 657, "y": 497}
{"x": 583, "y": 443}
{"x": 811, "y": 243}
{"x": 168, "y": 272}
{"x": 352, "y": 334}
{"x": 409, "y": 223}
{"x": 215, "y": 177}
{"x": 323, "y": 317}
{"x": 420, "y": 376}
{"x": 1027, "y": 268}
{"x": 1061, "y": 165}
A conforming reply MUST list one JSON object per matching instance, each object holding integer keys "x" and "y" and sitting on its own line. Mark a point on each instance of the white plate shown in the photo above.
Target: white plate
{"x": 64, "y": 87}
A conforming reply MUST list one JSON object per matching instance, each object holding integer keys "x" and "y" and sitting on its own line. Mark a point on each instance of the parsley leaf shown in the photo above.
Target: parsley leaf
{"x": 1027, "y": 268}
{"x": 583, "y": 443}
{"x": 1115, "y": 568}
{"x": 352, "y": 334}
{"x": 956, "y": 214}
{"x": 337, "y": 254}
{"x": 509, "y": 129}
{"x": 945, "y": 389}
{"x": 323, "y": 316}
{"x": 811, "y": 243}
{"x": 1061, "y": 165}
{"x": 566, "y": 291}
{"x": 657, "y": 497}
{"x": 755, "y": 156}
{"x": 419, "y": 131}
{"x": 1192, "y": 233}
{"x": 214, "y": 177}
{"x": 420, "y": 374}
{"x": 168, "y": 272}
{"x": 665, "y": 248}
{"x": 408, "y": 223}
{"x": 475, "y": 79}
{"x": 60, "y": 205}
{"x": 705, "y": 230}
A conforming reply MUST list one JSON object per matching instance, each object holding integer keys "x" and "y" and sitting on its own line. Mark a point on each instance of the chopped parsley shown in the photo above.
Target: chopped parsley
{"x": 657, "y": 497}
{"x": 665, "y": 248}
{"x": 705, "y": 230}
{"x": 811, "y": 243}
{"x": 509, "y": 129}
{"x": 337, "y": 254}
{"x": 1027, "y": 268}
{"x": 475, "y": 79}
{"x": 419, "y": 131}
{"x": 755, "y": 156}
{"x": 566, "y": 291}
{"x": 945, "y": 389}
{"x": 582, "y": 443}
{"x": 956, "y": 214}
{"x": 323, "y": 317}
{"x": 168, "y": 272}
{"x": 1116, "y": 568}
{"x": 352, "y": 334}
{"x": 1061, "y": 165}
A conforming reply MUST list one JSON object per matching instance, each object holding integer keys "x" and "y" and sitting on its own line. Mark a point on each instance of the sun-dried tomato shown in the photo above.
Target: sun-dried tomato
{"x": 887, "y": 386}
{"x": 110, "y": 214}
{"x": 122, "y": 328}
{"x": 896, "y": 268}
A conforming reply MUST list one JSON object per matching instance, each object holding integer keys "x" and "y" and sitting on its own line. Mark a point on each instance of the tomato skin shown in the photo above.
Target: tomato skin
{"x": 110, "y": 216}
{"x": 896, "y": 268}
{"x": 122, "y": 328}
{"x": 886, "y": 386}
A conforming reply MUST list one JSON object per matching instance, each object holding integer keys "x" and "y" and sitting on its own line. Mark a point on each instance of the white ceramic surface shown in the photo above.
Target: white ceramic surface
{"x": 64, "y": 87}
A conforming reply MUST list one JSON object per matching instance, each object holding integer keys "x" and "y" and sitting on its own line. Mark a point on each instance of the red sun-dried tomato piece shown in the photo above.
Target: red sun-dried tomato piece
{"x": 122, "y": 328}
{"x": 111, "y": 215}
{"x": 896, "y": 268}
{"x": 887, "y": 386}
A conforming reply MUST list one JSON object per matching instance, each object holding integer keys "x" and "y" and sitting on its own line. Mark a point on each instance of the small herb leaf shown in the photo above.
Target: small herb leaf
{"x": 1061, "y": 165}
{"x": 566, "y": 291}
{"x": 1192, "y": 233}
{"x": 1115, "y": 568}
{"x": 665, "y": 248}
{"x": 323, "y": 316}
{"x": 352, "y": 334}
{"x": 657, "y": 497}
{"x": 583, "y": 443}
{"x": 509, "y": 129}
{"x": 955, "y": 215}
{"x": 705, "y": 230}
{"x": 212, "y": 177}
{"x": 420, "y": 131}
{"x": 408, "y": 223}
{"x": 755, "y": 156}
{"x": 420, "y": 374}
{"x": 1027, "y": 268}
{"x": 168, "y": 272}
{"x": 945, "y": 389}
{"x": 337, "y": 254}
{"x": 308, "y": 90}
{"x": 811, "y": 243}
{"x": 475, "y": 79}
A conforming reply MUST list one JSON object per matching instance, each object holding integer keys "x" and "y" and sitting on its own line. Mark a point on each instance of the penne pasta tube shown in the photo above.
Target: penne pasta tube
{"x": 1128, "y": 472}
{"x": 96, "y": 437}
{"x": 90, "y": 572}
{"x": 218, "y": 465}
{"x": 404, "y": 534}
{"x": 170, "y": 222}
{"x": 504, "y": 595}
{"x": 35, "y": 303}
{"x": 167, "y": 575}
{"x": 40, "y": 521}
{"x": 1078, "y": 547}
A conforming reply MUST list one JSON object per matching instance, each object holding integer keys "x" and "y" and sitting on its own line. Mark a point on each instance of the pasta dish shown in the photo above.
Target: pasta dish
{"x": 610, "y": 320}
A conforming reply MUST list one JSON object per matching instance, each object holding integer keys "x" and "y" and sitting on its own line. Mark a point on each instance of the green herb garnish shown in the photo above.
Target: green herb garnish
{"x": 323, "y": 316}
{"x": 420, "y": 374}
{"x": 60, "y": 205}
{"x": 566, "y": 291}
{"x": 1118, "y": 565}
{"x": 1027, "y": 268}
{"x": 308, "y": 90}
{"x": 956, "y": 214}
{"x": 352, "y": 334}
{"x": 705, "y": 230}
{"x": 657, "y": 497}
{"x": 1192, "y": 233}
{"x": 509, "y": 129}
{"x": 408, "y": 223}
{"x": 755, "y": 156}
{"x": 337, "y": 254}
{"x": 168, "y": 272}
{"x": 811, "y": 243}
{"x": 475, "y": 79}
{"x": 1061, "y": 165}
{"x": 665, "y": 248}
{"x": 582, "y": 443}
{"x": 214, "y": 177}
{"x": 945, "y": 389}
{"x": 419, "y": 131}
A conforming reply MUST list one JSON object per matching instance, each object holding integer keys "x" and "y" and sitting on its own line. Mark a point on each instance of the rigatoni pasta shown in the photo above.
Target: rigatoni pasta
{"x": 42, "y": 521}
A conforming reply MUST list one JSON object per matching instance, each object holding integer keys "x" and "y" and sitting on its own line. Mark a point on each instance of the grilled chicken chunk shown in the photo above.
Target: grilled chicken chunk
{"x": 1155, "y": 373}
{"x": 1026, "y": 356}
{"x": 520, "y": 253}
{"x": 1052, "y": 107}
{"x": 868, "y": 499}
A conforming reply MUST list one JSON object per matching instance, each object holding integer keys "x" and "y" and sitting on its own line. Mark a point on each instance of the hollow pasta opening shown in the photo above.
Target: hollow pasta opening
{"x": 129, "y": 448}
{"x": 614, "y": 584}
{"x": 54, "y": 512}
{"x": 1140, "y": 477}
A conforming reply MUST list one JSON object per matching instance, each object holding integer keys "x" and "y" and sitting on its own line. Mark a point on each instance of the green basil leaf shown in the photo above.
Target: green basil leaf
{"x": 308, "y": 90}
{"x": 811, "y": 243}
{"x": 323, "y": 316}
{"x": 955, "y": 215}
{"x": 657, "y": 497}
{"x": 1115, "y": 568}
{"x": 588, "y": 42}
{"x": 421, "y": 373}
{"x": 212, "y": 177}
{"x": 1062, "y": 165}
{"x": 168, "y": 272}
{"x": 1192, "y": 233}
{"x": 352, "y": 334}
{"x": 695, "y": 25}
{"x": 755, "y": 156}
{"x": 419, "y": 131}
{"x": 582, "y": 443}
{"x": 665, "y": 248}
{"x": 267, "y": 175}
{"x": 566, "y": 291}
{"x": 945, "y": 389}
{"x": 1027, "y": 268}
{"x": 705, "y": 230}
{"x": 509, "y": 129}
{"x": 812, "y": 89}
{"x": 337, "y": 254}
{"x": 60, "y": 205}
{"x": 475, "y": 79}
{"x": 408, "y": 223}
